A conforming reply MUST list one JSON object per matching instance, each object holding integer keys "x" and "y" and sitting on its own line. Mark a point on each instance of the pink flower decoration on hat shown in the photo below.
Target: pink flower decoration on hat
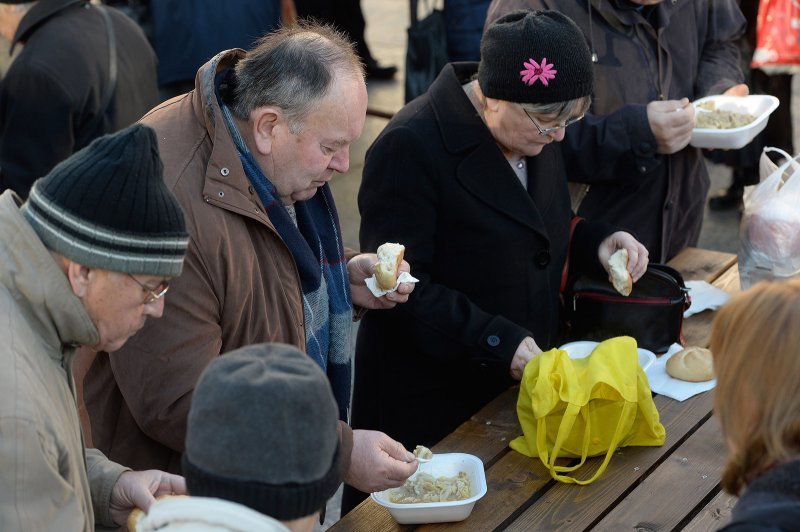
{"x": 535, "y": 71}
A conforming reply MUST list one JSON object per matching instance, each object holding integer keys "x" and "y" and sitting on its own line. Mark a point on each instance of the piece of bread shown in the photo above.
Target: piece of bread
{"x": 620, "y": 278}
{"x": 138, "y": 514}
{"x": 133, "y": 519}
{"x": 693, "y": 364}
{"x": 390, "y": 256}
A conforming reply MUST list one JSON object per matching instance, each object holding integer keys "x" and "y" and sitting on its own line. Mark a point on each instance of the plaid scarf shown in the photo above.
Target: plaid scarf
{"x": 316, "y": 245}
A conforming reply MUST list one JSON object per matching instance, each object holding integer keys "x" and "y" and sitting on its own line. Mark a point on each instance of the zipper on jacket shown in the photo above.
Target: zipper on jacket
{"x": 621, "y": 299}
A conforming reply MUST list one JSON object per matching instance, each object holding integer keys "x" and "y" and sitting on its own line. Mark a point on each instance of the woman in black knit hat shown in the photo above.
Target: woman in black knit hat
{"x": 470, "y": 178}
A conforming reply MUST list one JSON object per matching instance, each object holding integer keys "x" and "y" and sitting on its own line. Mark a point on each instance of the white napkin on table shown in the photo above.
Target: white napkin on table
{"x": 704, "y": 296}
{"x": 372, "y": 283}
{"x": 663, "y": 384}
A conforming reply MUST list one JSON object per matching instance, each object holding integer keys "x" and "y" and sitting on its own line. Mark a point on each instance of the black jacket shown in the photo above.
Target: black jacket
{"x": 488, "y": 253}
{"x": 55, "y": 87}
{"x": 680, "y": 48}
{"x": 770, "y": 503}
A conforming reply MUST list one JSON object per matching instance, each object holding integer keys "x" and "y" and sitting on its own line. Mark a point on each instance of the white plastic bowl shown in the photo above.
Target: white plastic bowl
{"x": 582, "y": 349}
{"x": 447, "y": 465}
{"x": 759, "y": 105}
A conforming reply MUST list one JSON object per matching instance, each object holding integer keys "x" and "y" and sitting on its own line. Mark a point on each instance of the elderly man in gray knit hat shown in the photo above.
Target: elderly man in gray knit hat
{"x": 85, "y": 261}
{"x": 262, "y": 446}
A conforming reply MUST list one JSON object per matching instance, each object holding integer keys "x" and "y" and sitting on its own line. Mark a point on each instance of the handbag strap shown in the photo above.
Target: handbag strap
{"x": 565, "y": 428}
{"x": 565, "y": 271}
{"x": 111, "y": 36}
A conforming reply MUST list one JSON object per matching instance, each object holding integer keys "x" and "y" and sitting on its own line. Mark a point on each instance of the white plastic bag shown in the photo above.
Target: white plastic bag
{"x": 769, "y": 236}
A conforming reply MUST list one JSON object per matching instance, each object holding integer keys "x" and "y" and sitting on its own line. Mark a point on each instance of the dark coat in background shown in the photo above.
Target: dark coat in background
{"x": 463, "y": 20}
{"x": 53, "y": 92}
{"x": 677, "y": 49}
{"x": 488, "y": 254}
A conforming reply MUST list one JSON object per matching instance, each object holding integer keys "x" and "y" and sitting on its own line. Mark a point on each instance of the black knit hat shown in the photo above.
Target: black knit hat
{"x": 263, "y": 432}
{"x": 107, "y": 207}
{"x": 535, "y": 57}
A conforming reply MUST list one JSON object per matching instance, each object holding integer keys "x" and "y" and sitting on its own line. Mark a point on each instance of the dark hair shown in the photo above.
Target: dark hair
{"x": 292, "y": 68}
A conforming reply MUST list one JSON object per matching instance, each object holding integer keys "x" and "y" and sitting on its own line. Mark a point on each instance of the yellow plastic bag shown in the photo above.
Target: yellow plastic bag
{"x": 585, "y": 407}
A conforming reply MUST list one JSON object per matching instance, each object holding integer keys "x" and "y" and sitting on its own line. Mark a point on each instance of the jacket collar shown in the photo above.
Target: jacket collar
{"x": 462, "y": 129}
{"x": 39, "y": 287}
{"x": 43, "y": 10}
{"x": 225, "y": 183}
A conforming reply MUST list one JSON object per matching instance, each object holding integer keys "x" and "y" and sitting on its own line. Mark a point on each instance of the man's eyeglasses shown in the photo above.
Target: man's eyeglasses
{"x": 550, "y": 130}
{"x": 153, "y": 294}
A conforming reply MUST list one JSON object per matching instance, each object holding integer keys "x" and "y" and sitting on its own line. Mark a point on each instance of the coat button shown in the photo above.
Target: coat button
{"x": 250, "y": 189}
{"x": 543, "y": 257}
{"x": 644, "y": 146}
{"x": 224, "y": 171}
{"x": 493, "y": 340}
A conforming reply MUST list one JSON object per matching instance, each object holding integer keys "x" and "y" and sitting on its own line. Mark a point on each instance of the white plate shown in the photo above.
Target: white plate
{"x": 760, "y": 105}
{"x": 583, "y": 348}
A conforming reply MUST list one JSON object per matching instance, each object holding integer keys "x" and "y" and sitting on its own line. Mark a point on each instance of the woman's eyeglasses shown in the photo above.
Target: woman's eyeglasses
{"x": 153, "y": 294}
{"x": 550, "y": 130}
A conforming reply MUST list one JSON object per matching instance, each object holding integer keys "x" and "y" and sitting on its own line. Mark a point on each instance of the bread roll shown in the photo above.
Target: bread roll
{"x": 693, "y": 364}
{"x": 390, "y": 256}
{"x": 620, "y": 278}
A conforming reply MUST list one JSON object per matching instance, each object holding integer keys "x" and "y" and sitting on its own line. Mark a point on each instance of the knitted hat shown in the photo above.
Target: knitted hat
{"x": 535, "y": 57}
{"x": 263, "y": 432}
{"x": 107, "y": 207}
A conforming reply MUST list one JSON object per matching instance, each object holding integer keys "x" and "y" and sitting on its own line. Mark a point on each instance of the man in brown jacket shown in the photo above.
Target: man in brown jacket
{"x": 249, "y": 154}
{"x": 80, "y": 264}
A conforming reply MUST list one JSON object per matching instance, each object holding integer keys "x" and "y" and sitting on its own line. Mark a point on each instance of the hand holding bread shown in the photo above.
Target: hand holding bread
{"x": 619, "y": 245}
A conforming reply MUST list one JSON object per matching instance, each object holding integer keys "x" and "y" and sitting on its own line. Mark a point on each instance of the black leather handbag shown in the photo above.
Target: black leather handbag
{"x": 652, "y": 314}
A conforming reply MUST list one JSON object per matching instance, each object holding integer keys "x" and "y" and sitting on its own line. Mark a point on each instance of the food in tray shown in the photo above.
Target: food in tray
{"x": 427, "y": 488}
{"x": 692, "y": 364}
{"x": 620, "y": 278}
{"x": 720, "y": 119}
{"x": 390, "y": 256}
{"x": 420, "y": 451}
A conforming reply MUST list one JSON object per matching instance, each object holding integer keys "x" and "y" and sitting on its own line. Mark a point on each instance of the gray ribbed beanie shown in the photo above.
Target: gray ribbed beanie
{"x": 263, "y": 432}
{"x": 535, "y": 57}
{"x": 107, "y": 207}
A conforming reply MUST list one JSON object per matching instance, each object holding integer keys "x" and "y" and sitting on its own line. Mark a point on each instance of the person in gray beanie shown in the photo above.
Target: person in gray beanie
{"x": 262, "y": 438}
{"x": 84, "y": 262}
{"x": 481, "y": 194}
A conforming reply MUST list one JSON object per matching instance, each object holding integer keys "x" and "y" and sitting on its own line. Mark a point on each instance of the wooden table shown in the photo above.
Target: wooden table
{"x": 673, "y": 487}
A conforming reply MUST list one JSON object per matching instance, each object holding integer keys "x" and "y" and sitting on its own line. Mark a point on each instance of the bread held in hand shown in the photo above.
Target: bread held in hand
{"x": 390, "y": 256}
{"x": 618, "y": 272}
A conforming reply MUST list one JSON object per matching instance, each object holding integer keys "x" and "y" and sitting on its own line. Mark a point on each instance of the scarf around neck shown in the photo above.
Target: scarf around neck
{"x": 316, "y": 245}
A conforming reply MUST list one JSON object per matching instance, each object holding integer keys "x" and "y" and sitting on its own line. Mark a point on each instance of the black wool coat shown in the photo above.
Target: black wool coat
{"x": 488, "y": 253}
{"x": 55, "y": 88}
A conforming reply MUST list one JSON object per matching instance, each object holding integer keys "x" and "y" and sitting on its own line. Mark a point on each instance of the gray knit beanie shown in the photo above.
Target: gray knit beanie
{"x": 535, "y": 57}
{"x": 107, "y": 207}
{"x": 263, "y": 432}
